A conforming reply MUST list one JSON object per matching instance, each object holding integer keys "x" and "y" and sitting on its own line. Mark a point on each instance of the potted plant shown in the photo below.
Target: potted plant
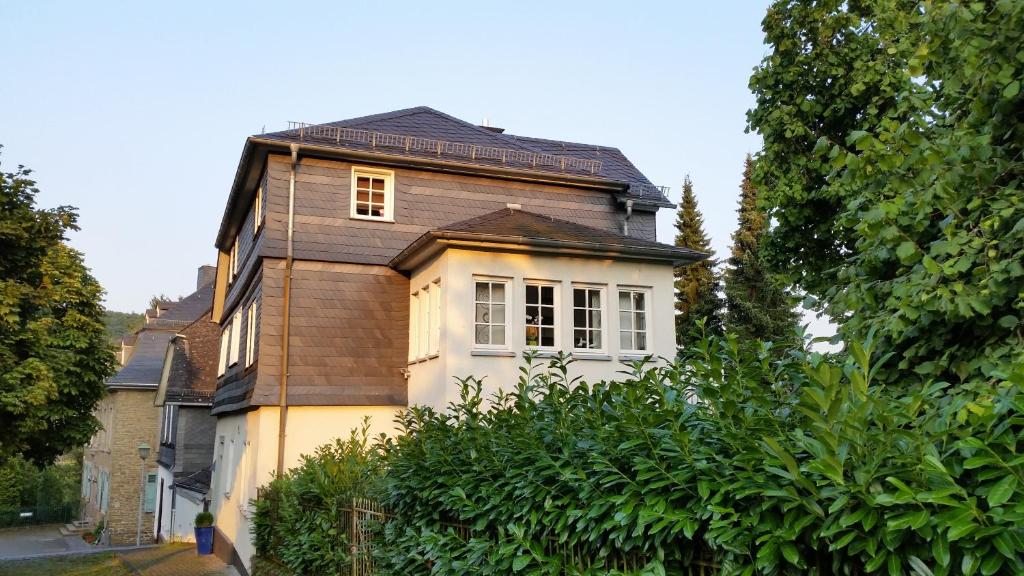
{"x": 204, "y": 533}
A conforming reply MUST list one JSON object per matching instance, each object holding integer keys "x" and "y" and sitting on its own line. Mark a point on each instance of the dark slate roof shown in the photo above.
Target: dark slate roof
{"x": 529, "y": 229}
{"x": 198, "y": 481}
{"x": 425, "y": 122}
{"x": 145, "y": 366}
{"x": 192, "y": 377}
{"x": 147, "y": 361}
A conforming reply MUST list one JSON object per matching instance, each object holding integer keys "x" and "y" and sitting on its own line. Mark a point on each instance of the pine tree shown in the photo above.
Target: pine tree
{"x": 757, "y": 306}
{"x": 697, "y": 285}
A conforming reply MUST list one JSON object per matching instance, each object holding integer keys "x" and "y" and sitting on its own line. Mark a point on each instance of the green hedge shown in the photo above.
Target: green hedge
{"x": 794, "y": 466}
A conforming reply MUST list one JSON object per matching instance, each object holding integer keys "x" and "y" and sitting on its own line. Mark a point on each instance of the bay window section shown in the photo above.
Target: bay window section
{"x": 587, "y": 322}
{"x": 489, "y": 313}
{"x": 633, "y": 320}
{"x": 540, "y": 316}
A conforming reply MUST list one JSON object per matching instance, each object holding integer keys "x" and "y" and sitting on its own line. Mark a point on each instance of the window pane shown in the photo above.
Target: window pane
{"x": 595, "y": 298}
{"x": 638, "y": 301}
{"x": 531, "y": 295}
{"x": 532, "y": 333}
{"x": 547, "y": 336}
{"x": 362, "y": 182}
{"x": 362, "y": 209}
{"x": 625, "y": 340}
{"x": 498, "y": 335}
{"x": 483, "y": 292}
{"x": 498, "y": 313}
{"x": 362, "y": 196}
{"x": 377, "y": 198}
{"x": 532, "y": 315}
{"x": 579, "y": 318}
{"x": 547, "y": 316}
{"x": 497, "y": 292}
{"x": 625, "y": 321}
{"x": 640, "y": 324}
{"x": 624, "y": 301}
{"x": 547, "y": 295}
{"x": 377, "y": 211}
{"x": 595, "y": 318}
{"x": 483, "y": 313}
{"x": 595, "y": 339}
{"x": 641, "y": 341}
{"x": 579, "y": 297}
{"x": 579, "y": 338}
{"x": 481, "y": 334}
{"x": 378, "y": 184}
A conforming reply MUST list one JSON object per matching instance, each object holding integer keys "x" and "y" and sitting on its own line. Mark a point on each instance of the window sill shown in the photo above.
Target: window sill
{"x": 502, "y": 353}
{"x": 591, "y": 356}
{"x": 423, "y": 359}
{"x": 371, "y": 219}
{"x": 540, "y": 353}
{"x": 634, "y": 356}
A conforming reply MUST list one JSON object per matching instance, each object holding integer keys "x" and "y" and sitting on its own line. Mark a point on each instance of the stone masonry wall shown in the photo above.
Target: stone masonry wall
{"x": 136, "y": 420}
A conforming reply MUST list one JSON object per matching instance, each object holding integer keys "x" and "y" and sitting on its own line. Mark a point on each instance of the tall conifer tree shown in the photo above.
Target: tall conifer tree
{"x": 757, "y": 306}
{"x": 697, "y": 285}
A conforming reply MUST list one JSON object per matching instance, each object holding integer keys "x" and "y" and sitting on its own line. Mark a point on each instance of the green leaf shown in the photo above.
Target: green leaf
{"x": 906, "y": 252}
{"x": 790, "y": 553}
{"x": 520, "y": 562}
{"x": 1000, "y": 492}
{"x": 1011, "y": 89}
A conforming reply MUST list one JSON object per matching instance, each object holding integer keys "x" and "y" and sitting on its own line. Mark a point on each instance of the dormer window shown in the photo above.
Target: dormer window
{"x": 373, "y": 194}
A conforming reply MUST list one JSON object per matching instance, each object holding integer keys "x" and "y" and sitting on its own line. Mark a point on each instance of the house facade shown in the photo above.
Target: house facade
{"x": 365, "y": 264}
{"x": 115, "y": 480}
{"x": 187, "y": 429}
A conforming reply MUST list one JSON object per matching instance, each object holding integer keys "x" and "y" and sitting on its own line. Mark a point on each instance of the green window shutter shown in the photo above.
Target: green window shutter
{"x": 150, "y": 504}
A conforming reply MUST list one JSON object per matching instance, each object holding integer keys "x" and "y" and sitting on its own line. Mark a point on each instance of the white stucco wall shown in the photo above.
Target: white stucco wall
{"x": 186, "y": 506}
{"x": 245, "y": 456}
{"x": 163, "y": 513}
{"x": 432, "y": 381}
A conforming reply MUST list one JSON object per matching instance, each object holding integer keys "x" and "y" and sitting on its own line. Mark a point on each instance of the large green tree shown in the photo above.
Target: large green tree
{"x": 697, "y": 285}
{"x": 54, "y": 354}
{"x": 892, "y": 164}
{"x": 757, "y": 306}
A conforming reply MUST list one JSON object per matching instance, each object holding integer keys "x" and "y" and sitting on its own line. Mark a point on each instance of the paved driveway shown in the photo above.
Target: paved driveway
{"x": 30, "y": 541}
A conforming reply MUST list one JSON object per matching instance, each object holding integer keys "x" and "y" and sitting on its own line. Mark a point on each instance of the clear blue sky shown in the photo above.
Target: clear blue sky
{"x": 137, "y": 113}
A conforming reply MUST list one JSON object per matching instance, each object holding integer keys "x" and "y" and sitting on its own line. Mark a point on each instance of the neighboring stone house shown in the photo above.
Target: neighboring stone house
{"x": 112, "y": 472}
{"x": 187, "y": 428}
{"x": 365, "y": 264}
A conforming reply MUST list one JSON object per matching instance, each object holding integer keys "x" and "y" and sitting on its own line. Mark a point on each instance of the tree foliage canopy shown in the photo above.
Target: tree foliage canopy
{"x": 697, "y": 285}
{"x": 892, "y": 164}
{"x": 757, "y": 306}
{"x": 54, "y": 355}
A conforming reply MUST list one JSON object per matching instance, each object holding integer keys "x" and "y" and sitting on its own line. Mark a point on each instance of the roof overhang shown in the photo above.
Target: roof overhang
{"x": 256, "y": 150}
{"x": 434, "y": 242}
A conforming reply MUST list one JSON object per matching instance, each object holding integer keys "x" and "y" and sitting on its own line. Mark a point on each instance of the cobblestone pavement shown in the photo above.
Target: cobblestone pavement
{"x": 173, "y": 560}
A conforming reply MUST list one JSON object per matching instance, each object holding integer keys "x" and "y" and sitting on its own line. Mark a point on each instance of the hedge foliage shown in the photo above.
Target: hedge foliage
{"x": 798, "y": 465}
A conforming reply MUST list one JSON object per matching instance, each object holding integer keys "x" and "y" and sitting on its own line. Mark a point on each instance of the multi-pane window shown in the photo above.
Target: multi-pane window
{"x": 170, "y": 416}
{"x": 586, "y": 318}
{"x": 250, "y": 335}
{"x": 372, "y": 194}
{"x": 258, "y": 204}
{"x": 236, "y": 334}
{"x": 414, "y": 325}
{"x": 434, "y": 336}
{"x": 225, "y": 338}
{"x": 489, "y": 311}
{"x": 633, "y": 320}
{"x": 425, "y": 321}
{"x": 540, "y": 315}
{"x": 233, "y": 259}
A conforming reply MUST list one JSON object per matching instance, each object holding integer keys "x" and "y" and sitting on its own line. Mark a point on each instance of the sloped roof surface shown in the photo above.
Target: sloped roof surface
{"x": 145, "y": 366}
{"x": 425, "y": 122}
{"x": 193, "y": 370}
{"x": 517, "y": 225}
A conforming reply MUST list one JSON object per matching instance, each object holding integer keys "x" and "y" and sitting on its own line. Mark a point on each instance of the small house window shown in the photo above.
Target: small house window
{"x": 489, "y": 314}
{"x": 540, "y": 315}
{"x": 222, "y": 364}
{"x": 236, "y": 324}
{"x": 586, "y": 318}
{"x": 633, "y": 320}
{"x": 414, "y": 325}
{"x": 372, "y": 194}
{"x": 233, "y": 260}
{"x": 434, "y": 336}
{"x": 259, "y": 203}
{"x": 250, "y": 334}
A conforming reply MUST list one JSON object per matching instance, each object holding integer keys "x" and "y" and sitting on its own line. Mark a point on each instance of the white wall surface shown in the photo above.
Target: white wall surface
{"x": 433, "y": 381}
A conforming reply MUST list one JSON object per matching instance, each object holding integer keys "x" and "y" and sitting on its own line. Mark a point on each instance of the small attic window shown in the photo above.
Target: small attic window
{"x": 373, "y": 194}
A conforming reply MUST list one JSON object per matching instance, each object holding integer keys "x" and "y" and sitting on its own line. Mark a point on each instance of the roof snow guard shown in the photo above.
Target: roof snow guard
{"x": 443, "y": 148}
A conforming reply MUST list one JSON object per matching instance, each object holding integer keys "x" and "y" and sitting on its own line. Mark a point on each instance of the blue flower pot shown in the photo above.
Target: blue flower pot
{"x": 204, "y": 540}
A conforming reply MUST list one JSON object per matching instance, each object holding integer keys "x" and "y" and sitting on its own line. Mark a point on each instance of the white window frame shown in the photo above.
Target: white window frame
{"x": 389, "y": 193}
{"x": 434, "y": 330}
{"x": 556, "y": 311}
{"x": 648, "y": 327}
{"x": 250, "y": 334}
{"x": 259, "y": 204}
{"x": 233, "y": 260}
{"x": 508, "y": 303}
{"x": 222, "y": 362}
{"x": 423, "y": 339}
{"x": 414, "y": 326}
{"x": 236, "y": 336}
{"x": 603, "y": 329}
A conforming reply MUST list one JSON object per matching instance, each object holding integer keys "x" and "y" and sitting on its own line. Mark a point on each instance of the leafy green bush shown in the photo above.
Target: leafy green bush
{"x": 793, "y": 466}
{"x": 203, "y": 520}
{"x": 302, "y": 517}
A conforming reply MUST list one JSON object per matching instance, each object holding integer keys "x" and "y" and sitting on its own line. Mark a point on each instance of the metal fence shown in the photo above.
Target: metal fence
{"x": 366, "y": 518}
{"x": 39, "y": 515}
